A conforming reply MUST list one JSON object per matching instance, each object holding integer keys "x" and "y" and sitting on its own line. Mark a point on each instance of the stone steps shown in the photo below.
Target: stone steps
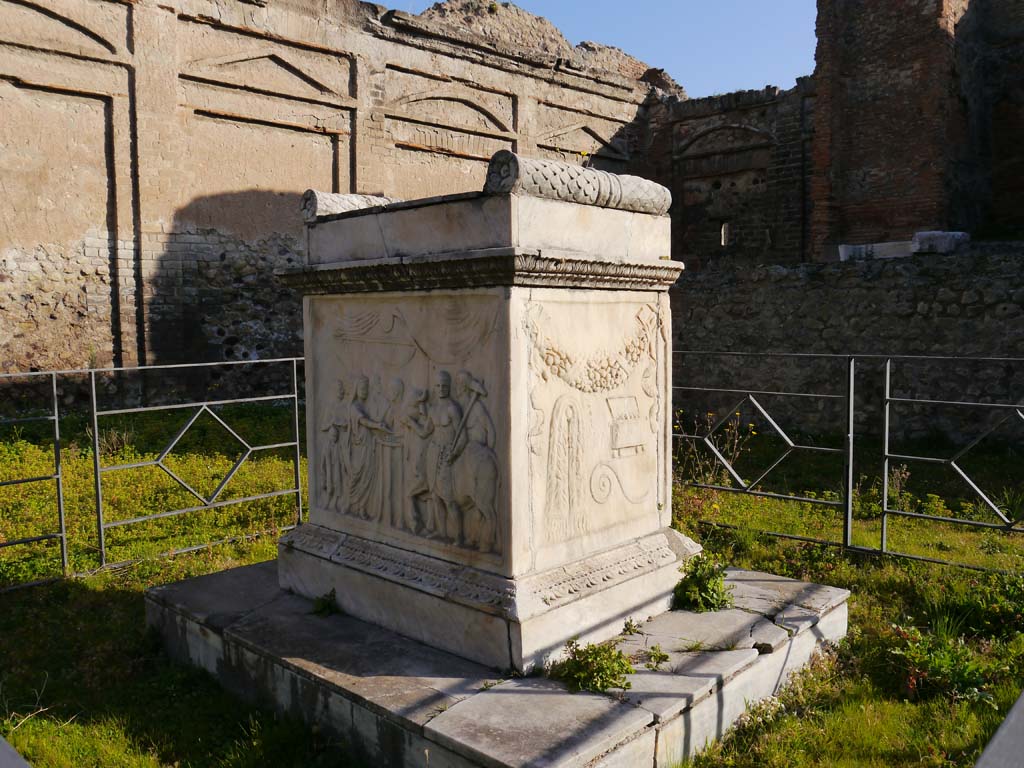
{"x": 400, "y": 703}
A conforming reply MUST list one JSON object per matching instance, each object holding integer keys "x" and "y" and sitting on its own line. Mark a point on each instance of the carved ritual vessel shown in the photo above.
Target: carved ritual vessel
{"x": 488, "y": 412}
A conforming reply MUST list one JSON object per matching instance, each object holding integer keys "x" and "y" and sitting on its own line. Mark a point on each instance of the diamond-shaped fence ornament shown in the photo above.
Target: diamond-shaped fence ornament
{"x": 721, "y": 425}
{"x": 1013, "y": 419}
{"x": 245, "y": 450}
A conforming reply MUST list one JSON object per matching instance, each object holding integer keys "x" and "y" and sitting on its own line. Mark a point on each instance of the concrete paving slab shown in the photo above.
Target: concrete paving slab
{"x": 684, "y": 680}
{"x": 219, "y": 599}
{"x": 400, "y": 678}
{"x": 767, "y": 594}
{"x": 400, "y": 703}
{"x": 726, "y": 630}
{"x": 536, "y": 722}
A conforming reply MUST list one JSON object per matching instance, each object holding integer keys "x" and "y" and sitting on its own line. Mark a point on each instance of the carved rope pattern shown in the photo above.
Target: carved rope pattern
{"x": 508, "y": 173}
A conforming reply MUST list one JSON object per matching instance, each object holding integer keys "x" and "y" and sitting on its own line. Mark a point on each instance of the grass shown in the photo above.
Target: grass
{"x": 202, "y": 458}
{"x": 83, "y": 684}
{"x": 863, "y": 704}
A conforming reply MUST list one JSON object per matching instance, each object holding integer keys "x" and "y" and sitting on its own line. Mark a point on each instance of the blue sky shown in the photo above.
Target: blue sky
{"x": 709, "y": 46}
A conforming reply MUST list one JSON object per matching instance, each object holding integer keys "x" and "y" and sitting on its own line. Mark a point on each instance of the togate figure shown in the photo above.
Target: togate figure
{"x": 362, "y": 454}
{"x": 476, "y": 467}
{"x": 334, "y": 467}
{"x": 445, "y": 441}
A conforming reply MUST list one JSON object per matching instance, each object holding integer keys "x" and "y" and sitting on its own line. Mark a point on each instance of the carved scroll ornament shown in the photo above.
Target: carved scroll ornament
{"x": 316, "y": 204}
{"x": 509, "y": 173}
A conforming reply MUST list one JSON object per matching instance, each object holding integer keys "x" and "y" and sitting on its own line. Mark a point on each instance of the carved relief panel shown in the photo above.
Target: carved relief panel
{"x": 596, "y": 434}
{"x": 408, "y": 444}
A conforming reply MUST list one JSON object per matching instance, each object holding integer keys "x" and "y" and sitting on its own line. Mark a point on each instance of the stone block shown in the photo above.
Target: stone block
{"x": 484, "y": 477}
{"x": 549, "y": 726}
{"x": 939, "y": 242}
{"x": 724, "y": 630}
{"x": 767, "y": 594}
{"x": 684, "y": 680}
{"x": 399, "y": 703}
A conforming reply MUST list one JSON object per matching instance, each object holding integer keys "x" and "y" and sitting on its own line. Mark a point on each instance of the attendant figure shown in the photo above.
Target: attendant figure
{"x": 445, "y": 444}
{"x": 334, "y": 456}
{"x": 362, "y": 452}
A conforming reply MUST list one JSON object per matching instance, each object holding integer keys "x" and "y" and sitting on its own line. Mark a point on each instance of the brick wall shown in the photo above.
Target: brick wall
{"x": 737, "y": 166}
{"x": 888, "y": 119}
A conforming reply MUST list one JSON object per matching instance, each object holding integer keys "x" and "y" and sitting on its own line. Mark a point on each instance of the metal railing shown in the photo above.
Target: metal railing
{"x": 197, "y": 407}
{"x": 57, "y": 476}
{"x": 765, "y": 403}
{"x": 858, "y": 406}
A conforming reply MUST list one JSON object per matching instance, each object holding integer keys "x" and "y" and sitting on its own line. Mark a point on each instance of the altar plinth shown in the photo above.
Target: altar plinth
{"x": 488, "y": 413}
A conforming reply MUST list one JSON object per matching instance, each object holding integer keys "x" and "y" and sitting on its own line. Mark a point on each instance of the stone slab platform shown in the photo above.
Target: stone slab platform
{"x": 400, "y": 703}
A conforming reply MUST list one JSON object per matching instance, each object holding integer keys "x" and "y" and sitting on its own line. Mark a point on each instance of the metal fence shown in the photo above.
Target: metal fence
{"x": 132, "y": 392}
{"x": 863, "y": 430}
{"x": 852, "y": 402}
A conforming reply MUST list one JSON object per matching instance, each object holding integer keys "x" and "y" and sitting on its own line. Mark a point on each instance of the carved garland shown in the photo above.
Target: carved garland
{"x": 604, "y": 372}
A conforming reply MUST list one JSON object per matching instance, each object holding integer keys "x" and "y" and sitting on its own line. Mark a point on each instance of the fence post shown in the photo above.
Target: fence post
{"x": 298, "y": 453}
{"x": 97, "y": 472}
{"x": 885, "y": 452}
{"x": 850, "y": 410}
{"x": 58, "y": 472}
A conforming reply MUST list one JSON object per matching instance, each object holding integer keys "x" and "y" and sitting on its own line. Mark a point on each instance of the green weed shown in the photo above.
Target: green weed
{"x": 592, "y": 667}
{"x": 702, "y": 587}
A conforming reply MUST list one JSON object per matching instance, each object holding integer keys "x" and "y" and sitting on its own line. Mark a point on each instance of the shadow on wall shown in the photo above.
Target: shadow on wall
{"x": 209, "y": 282}
{"x": 990, "y": 168}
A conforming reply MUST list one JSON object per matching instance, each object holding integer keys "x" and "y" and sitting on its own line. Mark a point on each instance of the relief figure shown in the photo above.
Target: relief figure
{"x": 445, "y": 441}
{"x": 362, "y": 453}
{"x": 334, "y": 453}
{"x": 420, "y": 518}
{"x": 476, "y": 467}
{"x": 389, "y": 499}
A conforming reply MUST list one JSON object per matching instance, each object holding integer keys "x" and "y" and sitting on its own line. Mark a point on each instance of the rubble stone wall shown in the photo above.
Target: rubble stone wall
{"x": 966, "y": 304}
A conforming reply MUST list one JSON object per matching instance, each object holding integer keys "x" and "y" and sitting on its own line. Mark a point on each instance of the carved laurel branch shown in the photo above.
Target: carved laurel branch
{"x": 316, "y": 204}
{"x": 508, "y": 173}
{"x": 605, "y": 372}
{"x": 526, "y": 270}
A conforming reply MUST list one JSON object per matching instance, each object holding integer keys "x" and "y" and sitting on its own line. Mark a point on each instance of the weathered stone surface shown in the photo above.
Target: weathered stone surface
{"x": 716, "y": 630}
{"x": 398, "y": 678}
{"x": 220, "y": 599}
{"x": 549, "y": 726}
{"x": 316, "y": 204}
{"x": 939, "y": 242}
{"x": 441, "y": 228}
{"x": 398, "y": 703}
{"x": 768, "y": 594}
{"x": 684, "y": 679}
{"x": 509, "y": 173}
